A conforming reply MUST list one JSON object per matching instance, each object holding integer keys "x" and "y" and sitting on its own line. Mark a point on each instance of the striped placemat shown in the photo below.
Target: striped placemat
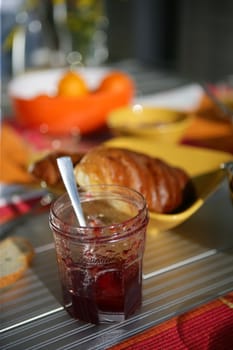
{"x": 207, "y": 327}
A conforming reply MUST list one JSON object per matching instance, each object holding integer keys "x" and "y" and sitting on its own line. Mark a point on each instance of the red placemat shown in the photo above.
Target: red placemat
{"x": 209, "y": 327}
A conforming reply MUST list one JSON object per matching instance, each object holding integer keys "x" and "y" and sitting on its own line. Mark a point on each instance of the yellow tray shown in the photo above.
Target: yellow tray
{"x": 202, "y": 165}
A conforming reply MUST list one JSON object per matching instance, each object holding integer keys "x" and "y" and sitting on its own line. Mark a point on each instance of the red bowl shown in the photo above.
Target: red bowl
{"x": 36, "y": 105}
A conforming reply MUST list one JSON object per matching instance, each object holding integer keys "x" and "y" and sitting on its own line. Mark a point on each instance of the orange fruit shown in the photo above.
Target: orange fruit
{"x": 116, "y": 81}
{"x": 72, "y": 85}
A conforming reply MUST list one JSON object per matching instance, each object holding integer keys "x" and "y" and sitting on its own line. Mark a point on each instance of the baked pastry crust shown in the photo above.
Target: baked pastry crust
{"x": 46, "y": 170}
{"x": 166, "y": 188}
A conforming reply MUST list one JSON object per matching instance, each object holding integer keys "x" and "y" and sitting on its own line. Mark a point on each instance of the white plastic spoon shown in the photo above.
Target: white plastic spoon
{"x": 65, "y": 166}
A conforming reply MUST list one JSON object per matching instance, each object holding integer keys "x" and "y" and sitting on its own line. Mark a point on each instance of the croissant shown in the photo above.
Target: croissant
{"x": 46, "y": 170}
{"x": 165, "y": 187}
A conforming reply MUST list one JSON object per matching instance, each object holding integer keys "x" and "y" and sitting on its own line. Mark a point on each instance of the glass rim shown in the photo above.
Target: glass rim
{"x": 80, "y": 232}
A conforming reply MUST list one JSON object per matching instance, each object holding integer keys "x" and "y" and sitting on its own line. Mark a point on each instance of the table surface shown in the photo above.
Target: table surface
{"x": 183, "y": 268}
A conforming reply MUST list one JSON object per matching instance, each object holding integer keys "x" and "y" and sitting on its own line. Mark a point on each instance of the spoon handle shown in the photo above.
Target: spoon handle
{"x": 65, "y": 166}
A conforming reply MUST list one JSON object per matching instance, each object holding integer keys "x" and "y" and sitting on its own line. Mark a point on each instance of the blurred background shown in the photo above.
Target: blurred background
{"x": 192, "y": 38}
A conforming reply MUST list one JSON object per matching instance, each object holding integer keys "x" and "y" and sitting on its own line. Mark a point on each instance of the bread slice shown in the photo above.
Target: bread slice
{"x": 16, "y": 254}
